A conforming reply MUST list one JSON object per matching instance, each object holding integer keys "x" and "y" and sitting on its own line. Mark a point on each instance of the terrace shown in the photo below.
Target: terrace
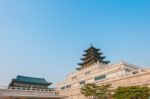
{"x": 19, "y": 93}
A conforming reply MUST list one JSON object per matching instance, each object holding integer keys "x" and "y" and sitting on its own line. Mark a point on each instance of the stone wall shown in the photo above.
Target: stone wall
{"x": 142, "y": 78}
{"x": 9, "y": 97}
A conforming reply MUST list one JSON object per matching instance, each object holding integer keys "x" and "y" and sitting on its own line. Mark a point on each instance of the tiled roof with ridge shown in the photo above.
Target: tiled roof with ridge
{"x": 31, "y": 80}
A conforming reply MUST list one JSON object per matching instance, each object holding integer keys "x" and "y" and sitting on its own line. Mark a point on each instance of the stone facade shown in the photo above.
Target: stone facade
{"x": 119, "y": 74}
{"x": 9, "y": 97}
{"x": 25, "y": 85}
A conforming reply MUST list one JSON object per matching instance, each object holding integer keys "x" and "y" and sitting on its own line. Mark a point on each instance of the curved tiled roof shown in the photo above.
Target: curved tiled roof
{"x": 31, "y": 80}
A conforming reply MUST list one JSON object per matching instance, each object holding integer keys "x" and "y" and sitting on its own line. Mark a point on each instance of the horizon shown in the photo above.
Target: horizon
{"x": 46, "y": 39}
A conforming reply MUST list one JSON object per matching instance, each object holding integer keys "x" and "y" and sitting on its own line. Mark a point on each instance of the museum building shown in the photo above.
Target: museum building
{"x": 95, "y": 69}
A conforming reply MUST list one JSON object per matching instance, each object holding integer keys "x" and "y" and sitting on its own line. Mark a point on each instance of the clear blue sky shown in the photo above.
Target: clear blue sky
{"x": 46, "y": 38}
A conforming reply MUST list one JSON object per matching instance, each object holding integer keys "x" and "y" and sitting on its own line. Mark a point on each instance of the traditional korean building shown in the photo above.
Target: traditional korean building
{"x": 23, "y": 87}
{"x": 95, "y": 69}
{"x": 91, "y": 56}
{"x": 29, "y": 82}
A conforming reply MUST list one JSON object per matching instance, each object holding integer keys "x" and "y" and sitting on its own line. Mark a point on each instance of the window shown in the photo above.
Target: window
{"x": 62, "y": 88}
{"x": 18, "y": 88}
{"x": 68, "y": 86}
{"x": 74, "y": 77}
{"x": 46, "y": 89}
{"x": 100, "y": 77}
{"x": 28, "y": 88}
{"x": 127, "y": 70}
{"x": 135, "y": 72}
{"x": 42, "y": 89}
{"x": 88, "y": 72}
{"x": 82, "y": 82}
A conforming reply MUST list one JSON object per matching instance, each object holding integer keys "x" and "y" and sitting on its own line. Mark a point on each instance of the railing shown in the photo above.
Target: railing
{"x": 3, "y": 87}
{"x": 25, "y": 89}
{"x": 16, "y": 91}
{"x": 29, "y": 89}
{"x": 78, "y": 72}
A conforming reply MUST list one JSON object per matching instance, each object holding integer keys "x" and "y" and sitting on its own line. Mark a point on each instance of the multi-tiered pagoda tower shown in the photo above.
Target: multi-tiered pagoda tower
{"x": 91, "y": 56}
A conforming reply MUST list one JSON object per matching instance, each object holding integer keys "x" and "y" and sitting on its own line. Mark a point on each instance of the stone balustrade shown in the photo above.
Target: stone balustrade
{"x": 16, "y": 91}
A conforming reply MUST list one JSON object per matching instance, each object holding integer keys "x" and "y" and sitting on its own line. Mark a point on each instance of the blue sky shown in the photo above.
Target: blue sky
{"x": 46, "y": 38}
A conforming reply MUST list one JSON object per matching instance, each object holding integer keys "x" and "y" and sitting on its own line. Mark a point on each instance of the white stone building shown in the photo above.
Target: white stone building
{"x": 97, "y": 71}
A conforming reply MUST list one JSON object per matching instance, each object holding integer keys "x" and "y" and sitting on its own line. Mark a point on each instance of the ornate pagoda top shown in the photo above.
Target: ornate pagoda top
{"x": 91, "y": 56}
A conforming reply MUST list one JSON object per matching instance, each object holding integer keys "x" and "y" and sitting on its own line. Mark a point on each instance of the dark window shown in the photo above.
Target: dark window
{"x": 135, "y": 72}
{"x": 33, "y": 89}
{"x": 74, "y": 77}
{"x": 42, "y": 89}
{"x": 88, "y": 72}
{"x": 23, "y": 88}
{"x": 28, "y": 88}
{"x": 100, "y": 77}
{"x": 13, "y": 88}
{"x": 68, "y": 86}
{"x": 62, "y": 88}
{"x": 127, "y": 70}
{"x": 82, "y": 82}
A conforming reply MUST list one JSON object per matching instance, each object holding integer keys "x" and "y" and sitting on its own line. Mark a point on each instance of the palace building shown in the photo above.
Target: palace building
{"x": 23, "y": 87}
{"x": 29, "y": 82}
{"x": 95, "y": 69}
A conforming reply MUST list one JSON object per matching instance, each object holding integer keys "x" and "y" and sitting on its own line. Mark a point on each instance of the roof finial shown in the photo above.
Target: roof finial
{"x": 91, "y": 45}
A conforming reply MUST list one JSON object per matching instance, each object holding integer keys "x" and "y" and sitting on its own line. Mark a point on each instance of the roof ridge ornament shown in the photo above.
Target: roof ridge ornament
{"x": 91, "y": 45}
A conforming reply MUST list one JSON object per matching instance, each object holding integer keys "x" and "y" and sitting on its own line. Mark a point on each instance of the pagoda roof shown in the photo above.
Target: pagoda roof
{"x": 87, "y": 54}
{"x": 90, "y": 56}
{"x": 30, "y": 80}
{"x": 91, "y": 48}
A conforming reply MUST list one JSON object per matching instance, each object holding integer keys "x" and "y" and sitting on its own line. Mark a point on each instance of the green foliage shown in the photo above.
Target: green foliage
{"x": 132, "y": 92}
{"x": 95, "y": 91}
